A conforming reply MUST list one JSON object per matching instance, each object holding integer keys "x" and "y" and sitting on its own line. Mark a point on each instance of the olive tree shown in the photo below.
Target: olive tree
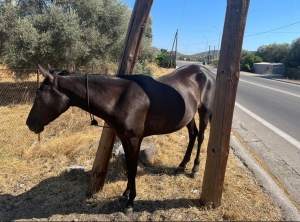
{"x": 292, "y": 60}
{"x": 273, "y": 52}
{"x": 66, "y": 33}
{"x": 247, "y": 60}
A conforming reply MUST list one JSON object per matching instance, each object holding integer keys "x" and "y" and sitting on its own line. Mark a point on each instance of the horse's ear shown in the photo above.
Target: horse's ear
{"x": 46, "y": 73}
{"x": 50, "y": 68}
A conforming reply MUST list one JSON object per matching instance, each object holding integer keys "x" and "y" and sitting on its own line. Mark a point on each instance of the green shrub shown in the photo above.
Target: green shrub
{"x": 142, "y": 67}
{"x": 162, "y": 59}
{"x": 292, "y": 73}
{"x": 247, "y": 60}
{"x": 292, "y": 61}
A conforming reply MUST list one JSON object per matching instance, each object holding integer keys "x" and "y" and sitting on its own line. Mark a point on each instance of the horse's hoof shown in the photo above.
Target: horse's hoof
{"x": 196, "y": 174}
{"x": 128, "y": 211}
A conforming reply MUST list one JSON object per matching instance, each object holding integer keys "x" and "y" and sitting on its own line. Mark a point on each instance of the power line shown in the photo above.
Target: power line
{"x": 269, "y": 31}
{"x": 182, "y": 14}
{"x": 273, "y": 29}
{"x": 190, "y": 30}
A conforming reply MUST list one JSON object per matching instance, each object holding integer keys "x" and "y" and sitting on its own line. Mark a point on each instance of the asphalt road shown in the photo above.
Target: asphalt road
{"x": 267, "y": 120}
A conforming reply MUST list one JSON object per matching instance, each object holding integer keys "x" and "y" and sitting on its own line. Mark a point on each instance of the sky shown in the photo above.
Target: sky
{"x": 200, "y": 23}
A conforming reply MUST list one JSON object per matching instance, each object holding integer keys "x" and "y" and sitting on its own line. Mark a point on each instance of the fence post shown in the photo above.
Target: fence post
{"x": 130, "y": 53}
{"x": 227, "y": 81}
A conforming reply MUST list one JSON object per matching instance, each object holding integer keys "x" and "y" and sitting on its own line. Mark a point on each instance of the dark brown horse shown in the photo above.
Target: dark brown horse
{"x": 135, "y": 106}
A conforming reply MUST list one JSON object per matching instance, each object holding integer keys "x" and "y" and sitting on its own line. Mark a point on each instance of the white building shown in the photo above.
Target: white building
{"x": 268, "y": 68}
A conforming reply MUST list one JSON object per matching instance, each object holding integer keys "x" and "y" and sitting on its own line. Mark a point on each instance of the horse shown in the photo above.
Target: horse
{"x": 135, "y": 106}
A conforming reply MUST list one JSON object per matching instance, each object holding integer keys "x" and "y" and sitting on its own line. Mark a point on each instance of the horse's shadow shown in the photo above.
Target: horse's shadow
{"x": 66, "y": 194}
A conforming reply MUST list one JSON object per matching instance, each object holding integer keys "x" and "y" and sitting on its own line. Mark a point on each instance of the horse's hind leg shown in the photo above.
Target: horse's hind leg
{"x": 203, "y": 121}
{"x": 193, "y": 132}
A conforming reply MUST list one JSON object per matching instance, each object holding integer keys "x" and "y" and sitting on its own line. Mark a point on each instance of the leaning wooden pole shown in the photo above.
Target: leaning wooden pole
{"x": 227, "y": 81}
{"x": 129, "y": 57}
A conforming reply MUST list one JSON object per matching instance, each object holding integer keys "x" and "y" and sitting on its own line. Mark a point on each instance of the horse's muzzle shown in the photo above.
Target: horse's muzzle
{"x": 34, "y": 127}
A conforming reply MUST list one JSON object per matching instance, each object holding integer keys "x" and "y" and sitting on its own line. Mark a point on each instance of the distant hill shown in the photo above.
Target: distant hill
{"x": 213, "y": 54}
{"x": 201, "y": 55}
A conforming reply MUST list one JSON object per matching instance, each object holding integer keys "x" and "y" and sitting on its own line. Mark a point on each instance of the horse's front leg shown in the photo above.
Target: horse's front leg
{"x": 131, "y": 149}
{"x": 203, "y": 121}
{"x": 193, "y": 132}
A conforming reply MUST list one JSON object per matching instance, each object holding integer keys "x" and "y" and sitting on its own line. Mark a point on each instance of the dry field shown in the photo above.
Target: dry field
{"x": 34, "y": 184}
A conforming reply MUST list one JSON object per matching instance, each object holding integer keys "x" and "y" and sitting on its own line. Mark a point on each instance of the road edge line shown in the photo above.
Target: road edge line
{"x": 279, "y": 132}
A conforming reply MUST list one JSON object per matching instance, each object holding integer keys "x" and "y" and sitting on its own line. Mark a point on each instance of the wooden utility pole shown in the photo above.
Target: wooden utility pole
{"x": 208, "y": 54}
{"x": 129, "y": 57}
{"x": 214, "y": 57}
{"x": 171, "y": 58}
{"x": 176, "y": 48}
{"x": 227, "y": 81}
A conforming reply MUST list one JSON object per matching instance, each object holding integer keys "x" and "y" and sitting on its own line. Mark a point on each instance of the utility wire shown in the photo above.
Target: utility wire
{"x": 273, "y": 29}
{"x": 252, "y": 34}
{"x": 182, "y": 14}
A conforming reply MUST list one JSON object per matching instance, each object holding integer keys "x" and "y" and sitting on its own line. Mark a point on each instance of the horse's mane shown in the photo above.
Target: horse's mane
{"x": 74, "y": 73}
{"x": 80, "y": 74}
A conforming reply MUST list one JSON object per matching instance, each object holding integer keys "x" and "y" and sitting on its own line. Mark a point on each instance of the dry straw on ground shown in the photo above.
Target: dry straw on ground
{"x": 34, "y": 184}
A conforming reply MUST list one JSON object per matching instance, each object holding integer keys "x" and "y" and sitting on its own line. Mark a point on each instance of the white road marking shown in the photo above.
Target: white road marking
{"x": 278, "y": 90}
{"x": 270, "y": 126}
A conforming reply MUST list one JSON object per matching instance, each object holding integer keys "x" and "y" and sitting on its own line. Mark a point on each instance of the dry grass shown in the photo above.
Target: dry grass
{"x": 158, "y": 71}
{"x": 34, "y": 182}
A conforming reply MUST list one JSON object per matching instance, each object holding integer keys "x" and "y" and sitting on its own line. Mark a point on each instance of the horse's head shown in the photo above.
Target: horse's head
{"x": 49, "y": 103}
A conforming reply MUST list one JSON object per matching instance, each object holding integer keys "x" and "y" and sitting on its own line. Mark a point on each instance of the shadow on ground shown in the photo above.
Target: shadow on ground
{"x": 65, "y": 194}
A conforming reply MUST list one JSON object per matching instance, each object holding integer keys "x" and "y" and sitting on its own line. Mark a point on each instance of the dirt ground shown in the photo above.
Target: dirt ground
{"x": 161, "y": 195}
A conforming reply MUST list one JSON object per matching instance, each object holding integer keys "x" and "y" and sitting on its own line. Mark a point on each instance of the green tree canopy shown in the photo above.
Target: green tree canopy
{"x": 273, "y": 52}
{"x": 247, "y": 60}
{"x": 292, "y": 61}
{"x": 66, "y": 33}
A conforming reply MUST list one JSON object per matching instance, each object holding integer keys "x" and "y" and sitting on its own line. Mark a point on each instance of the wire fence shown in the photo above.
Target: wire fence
{"x": 16, "y": 99}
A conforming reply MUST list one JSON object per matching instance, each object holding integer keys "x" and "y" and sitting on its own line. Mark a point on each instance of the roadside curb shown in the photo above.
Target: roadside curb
{"x": 286, "y": 81}
{"x": 275, "y": 79}
{"x": 290, "y": 212}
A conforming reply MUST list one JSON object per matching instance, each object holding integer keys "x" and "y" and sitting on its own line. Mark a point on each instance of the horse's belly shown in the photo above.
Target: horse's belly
{"x": 165, "y": 124}
{"x": 158, "y": 128}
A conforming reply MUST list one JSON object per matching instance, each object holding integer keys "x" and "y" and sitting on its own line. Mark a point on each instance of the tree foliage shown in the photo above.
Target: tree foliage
{"x": 247, "y": 60}
{"x": 147, "y": 53}
{"x": 164, "y": 59}
{"x": 273, "y": 52}
{"x": 66, "y": 33}
{"x": 292, "y": 60}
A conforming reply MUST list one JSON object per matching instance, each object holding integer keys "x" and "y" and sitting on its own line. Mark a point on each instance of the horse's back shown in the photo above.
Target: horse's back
{"x": 192, "y": 81}
{"x": 166, "y": 108}
{"x": 187, "y": 76}
{"x": 175, "y": 98}
{"x": 196, "y": 84}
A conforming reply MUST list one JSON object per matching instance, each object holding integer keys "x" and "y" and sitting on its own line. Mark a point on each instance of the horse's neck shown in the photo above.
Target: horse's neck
{"x": 102, "y": 92}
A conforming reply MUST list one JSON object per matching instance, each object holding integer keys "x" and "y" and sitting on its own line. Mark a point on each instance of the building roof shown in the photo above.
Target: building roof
{"x": 268, "y": 63}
